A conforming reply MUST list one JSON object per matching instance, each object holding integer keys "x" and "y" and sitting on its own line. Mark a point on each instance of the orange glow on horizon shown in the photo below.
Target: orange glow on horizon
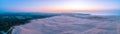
{"x": 59, "y": 9}
{"x": 69, "y": 6}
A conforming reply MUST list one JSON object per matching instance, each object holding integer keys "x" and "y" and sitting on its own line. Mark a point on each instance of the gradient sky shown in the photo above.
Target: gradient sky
{"x": 61, "y": 5}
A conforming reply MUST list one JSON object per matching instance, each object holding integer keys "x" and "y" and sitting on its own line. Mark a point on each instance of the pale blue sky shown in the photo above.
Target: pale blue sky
{"x": 39, "y": 4}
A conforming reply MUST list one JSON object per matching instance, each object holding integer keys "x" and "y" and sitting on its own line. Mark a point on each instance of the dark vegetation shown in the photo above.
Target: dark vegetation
{"x": 8, "y": 21}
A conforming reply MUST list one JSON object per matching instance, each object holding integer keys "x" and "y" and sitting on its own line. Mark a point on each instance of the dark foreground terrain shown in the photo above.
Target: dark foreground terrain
{"x": 8, "y": 21}
{"x": 64, "y": 23}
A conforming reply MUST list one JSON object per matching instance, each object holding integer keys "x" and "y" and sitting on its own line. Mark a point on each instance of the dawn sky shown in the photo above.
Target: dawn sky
{"x": 59, "y": 5}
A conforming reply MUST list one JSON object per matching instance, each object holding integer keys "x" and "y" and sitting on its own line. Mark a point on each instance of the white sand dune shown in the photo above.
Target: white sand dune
{"x": 68, "y": 25}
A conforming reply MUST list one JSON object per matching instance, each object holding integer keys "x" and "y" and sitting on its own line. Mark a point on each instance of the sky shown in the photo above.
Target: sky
{"x": 84, "y": 6}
